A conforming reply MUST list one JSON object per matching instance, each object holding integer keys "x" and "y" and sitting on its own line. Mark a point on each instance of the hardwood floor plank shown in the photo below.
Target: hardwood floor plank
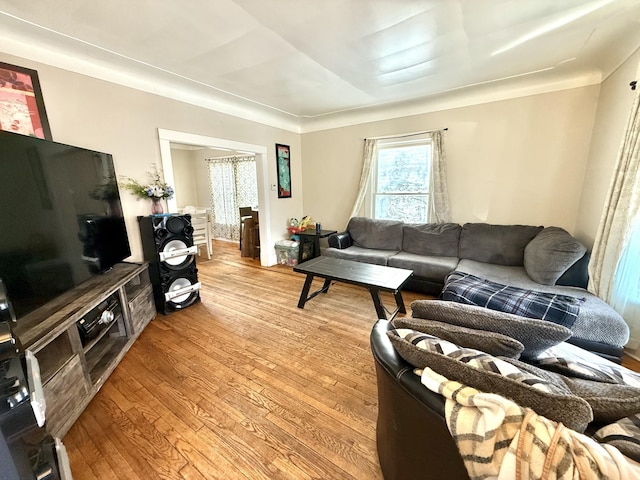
{"x": 243, "y": 385}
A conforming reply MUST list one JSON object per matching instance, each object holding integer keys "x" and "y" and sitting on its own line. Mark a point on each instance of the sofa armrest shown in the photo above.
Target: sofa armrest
{"x": 340, "y": 240}
{"x": 577, "y": 275}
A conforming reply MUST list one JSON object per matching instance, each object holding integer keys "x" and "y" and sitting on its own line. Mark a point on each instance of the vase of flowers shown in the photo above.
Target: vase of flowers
{"x": 156, "y": 189}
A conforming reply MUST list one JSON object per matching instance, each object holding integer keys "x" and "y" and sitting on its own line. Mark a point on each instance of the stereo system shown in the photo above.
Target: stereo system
{"x": 99, "y": 319}
{"x": 167, "y": 244}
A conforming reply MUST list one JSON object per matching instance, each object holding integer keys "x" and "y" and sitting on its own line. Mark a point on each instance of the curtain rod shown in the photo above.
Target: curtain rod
{"x": 404, "y": 135}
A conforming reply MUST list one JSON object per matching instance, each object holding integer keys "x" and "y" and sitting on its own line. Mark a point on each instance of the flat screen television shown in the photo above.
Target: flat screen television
{"x": 61, "y": 219}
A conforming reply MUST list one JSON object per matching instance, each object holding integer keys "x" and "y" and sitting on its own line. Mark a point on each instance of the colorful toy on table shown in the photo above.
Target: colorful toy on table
{"x": 296, "y": 226}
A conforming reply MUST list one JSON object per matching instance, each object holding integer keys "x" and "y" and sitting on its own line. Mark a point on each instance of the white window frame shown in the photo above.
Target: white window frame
{"x": 370, "y": 202}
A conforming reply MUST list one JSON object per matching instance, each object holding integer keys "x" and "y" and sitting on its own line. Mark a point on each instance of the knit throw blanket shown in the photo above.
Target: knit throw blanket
{"x": 500, "y": 440}
{"x": 466, "y": 288}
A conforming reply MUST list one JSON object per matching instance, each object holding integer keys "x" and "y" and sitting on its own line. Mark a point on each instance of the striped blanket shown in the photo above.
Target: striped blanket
{"x": 466, "y": 288}
{"x": 500, "y": 440}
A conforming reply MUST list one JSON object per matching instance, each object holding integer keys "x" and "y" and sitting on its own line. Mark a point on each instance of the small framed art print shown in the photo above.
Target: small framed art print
{"x": 284, "y": 170}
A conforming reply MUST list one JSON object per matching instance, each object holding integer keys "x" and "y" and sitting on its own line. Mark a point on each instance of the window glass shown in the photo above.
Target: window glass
{"x": 401, "y": 187}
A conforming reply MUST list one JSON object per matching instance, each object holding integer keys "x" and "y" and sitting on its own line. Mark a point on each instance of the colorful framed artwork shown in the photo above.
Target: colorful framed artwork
{"x": 21, "y": 103}
{"x": 284, "y": 171}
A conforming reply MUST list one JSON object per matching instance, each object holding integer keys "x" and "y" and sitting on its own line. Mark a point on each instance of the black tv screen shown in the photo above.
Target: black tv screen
{"x": 61, "y": 218}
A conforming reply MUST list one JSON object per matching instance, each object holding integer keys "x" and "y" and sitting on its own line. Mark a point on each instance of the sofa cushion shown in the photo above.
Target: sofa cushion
{"x": 535, "y": 335}
{"x": 493, "y": 375}
{"x": 497, "y": 244}
{"x": 489, "y": 342}
{"x": 437, "y": 239}
{"x": 359, "y": 254}
{"x": 550, "y": 254}
{"x": 429, "y": 267}
{"x": 378, "y": 234}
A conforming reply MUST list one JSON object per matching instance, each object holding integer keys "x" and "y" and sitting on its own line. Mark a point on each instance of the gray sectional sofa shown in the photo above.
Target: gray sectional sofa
{"x": 536, "y": 259}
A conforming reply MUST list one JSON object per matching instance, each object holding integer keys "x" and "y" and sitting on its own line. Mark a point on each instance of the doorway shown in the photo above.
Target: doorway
{"x": 166, "y": 137}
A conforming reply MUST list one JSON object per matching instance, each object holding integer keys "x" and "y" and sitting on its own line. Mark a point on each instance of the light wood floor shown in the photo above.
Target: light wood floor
{"x": 243, "y": 385}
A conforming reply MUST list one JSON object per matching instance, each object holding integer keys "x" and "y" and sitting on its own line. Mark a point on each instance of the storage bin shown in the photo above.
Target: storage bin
{"x": 287, "y": 252}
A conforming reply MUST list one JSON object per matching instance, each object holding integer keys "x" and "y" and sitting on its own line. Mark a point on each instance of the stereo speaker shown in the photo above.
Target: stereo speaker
{"x": 167, "y": 244}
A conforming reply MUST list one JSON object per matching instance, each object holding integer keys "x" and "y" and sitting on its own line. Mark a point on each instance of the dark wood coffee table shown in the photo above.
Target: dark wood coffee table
{"x": 374, "y": 278}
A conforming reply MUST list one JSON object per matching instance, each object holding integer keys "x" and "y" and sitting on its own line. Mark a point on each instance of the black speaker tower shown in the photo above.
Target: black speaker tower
{"x": 167, "y": 244}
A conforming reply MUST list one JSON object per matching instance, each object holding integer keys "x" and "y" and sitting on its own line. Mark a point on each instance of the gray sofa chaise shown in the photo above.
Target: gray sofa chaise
{"x": 533, "y": 258}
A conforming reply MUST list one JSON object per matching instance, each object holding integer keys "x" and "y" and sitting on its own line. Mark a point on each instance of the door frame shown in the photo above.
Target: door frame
{"x": 166, "y": 137}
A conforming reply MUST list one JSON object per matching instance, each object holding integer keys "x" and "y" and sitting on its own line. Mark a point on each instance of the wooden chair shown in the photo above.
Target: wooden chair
{"x": 255, "y": 234}
{"x": 201, "y": 235}
{"x": 251, "y": 240}
{"x": 245, "y": 212}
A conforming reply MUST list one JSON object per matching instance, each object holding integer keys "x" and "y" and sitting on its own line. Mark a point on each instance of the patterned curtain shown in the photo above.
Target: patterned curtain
{"x": 614, "y": 269}
{"x": 439, "y": 210}
{"x": 370, "y": 152}
{"x": 620, "y": 210}
{"x": 233, "y": 183}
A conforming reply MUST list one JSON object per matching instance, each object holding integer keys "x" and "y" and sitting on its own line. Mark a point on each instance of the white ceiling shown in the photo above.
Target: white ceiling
{"x": 295, "y": 62}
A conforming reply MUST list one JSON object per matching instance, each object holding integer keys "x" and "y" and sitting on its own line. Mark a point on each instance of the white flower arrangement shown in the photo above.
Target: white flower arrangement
{"x": 157, "y": 188}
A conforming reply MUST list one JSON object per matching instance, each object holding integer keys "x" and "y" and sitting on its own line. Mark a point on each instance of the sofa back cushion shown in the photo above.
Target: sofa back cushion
{"x": 436, "y": 239}
{"x": 550, "y": 254}
{"x": 497, "y": 244}
{"x": 379, "y": 234}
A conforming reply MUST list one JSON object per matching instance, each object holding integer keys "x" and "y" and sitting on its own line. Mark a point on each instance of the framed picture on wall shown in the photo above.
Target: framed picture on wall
{"x": 21, "y": 103}
{"x": 284, "y": 171}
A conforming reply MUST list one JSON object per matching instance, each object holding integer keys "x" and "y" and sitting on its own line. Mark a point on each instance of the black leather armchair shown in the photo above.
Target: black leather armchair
{"x": 412, "y": 436}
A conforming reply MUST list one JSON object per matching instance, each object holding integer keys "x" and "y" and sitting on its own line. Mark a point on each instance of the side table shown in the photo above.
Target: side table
{"x": 312, "y": 238}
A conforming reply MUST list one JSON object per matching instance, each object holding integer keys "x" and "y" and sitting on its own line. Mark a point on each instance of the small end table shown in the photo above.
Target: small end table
{"x": 312, "y": 237}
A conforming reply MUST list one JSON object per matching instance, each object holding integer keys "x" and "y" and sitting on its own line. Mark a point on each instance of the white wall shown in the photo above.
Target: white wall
{"x": 184, "y": 178}
{"x": 122, "y": 121}
{"x": 613, "y": 111}
{"x": 201, "y": 172}
{"x": 191, "y": 176}
{"x": 512, "y": 161}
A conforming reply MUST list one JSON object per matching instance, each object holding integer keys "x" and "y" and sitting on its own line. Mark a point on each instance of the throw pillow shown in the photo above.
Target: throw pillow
{"x": 624, "y": 435}
{"x": 550, "y": 254}
{"x": 596, "y": 372}
{"x": 535, "y": 335}
{"x": 488, "y": 342}
{"x": 493, "y": 375}
{"x": 609, "y": 402}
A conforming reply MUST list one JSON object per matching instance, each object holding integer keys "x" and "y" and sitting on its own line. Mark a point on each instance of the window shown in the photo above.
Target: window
{"x": 400, "y": 181}
{"x": 627, "y": 278}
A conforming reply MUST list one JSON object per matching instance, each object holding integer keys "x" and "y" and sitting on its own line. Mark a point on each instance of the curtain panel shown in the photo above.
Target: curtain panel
{"x": 620, "y": 210}
{"x": 233, "y": 184}
{"x": 614, "y": 269}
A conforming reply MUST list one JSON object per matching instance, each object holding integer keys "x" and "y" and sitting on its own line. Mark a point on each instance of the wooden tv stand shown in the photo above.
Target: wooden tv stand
{"x": 72, "y": 373}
